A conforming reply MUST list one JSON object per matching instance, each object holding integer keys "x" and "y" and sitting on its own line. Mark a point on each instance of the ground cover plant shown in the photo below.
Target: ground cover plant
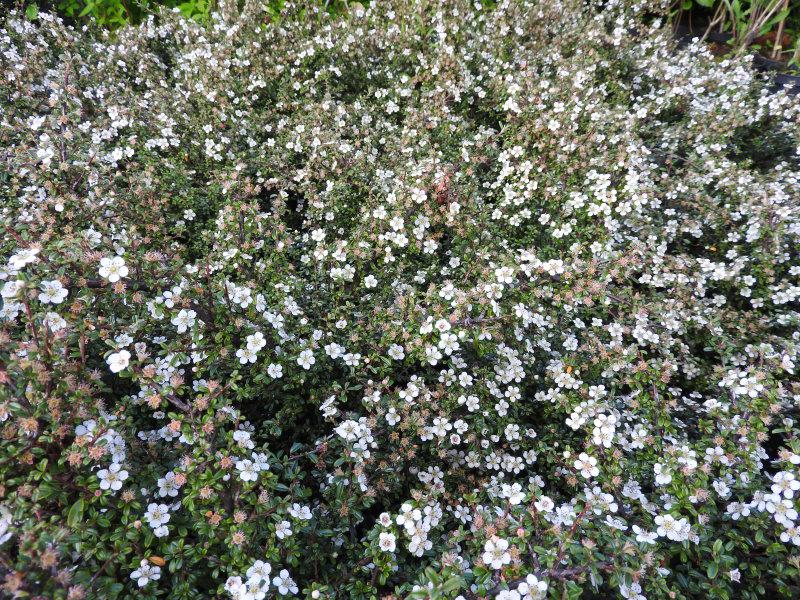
{"x": 430, "y": 300}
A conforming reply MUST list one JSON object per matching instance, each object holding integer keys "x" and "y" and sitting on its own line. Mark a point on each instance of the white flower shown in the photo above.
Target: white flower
{"x": 644, "y": 537}
{"x": 328, "y": 408}
{"x": 233, "y": 585}
{"x": 532, "y": 588}
{"x": 306, "y": 359}
{"x": 242, "y": 437}
{"x": 748, "y": 386}
{"x": 160, "y": 532}
{"x": 386, "y": 541}
{"x": 112, "y": 477}
{"x": 184, "y": 320}
{"x": 92, "y": 237}
{"x": 495, "y": 553}
{"x": 275, "y": 371}
{"x": 632, "y": 591}
{"x": 5, "y": 524}
{"x": 587, "y": 465}
{"x": 247, "y": 470}
{"x": 792, "y": 534}
{"x": 298, "y": 511}
{"x": 663, "y": 476}
{"x": 157, "y": 514}
{"x": 113, "y": 268}
{"x": 283, "y": 529}
{"x": 54, "y": 322}
{"x": 785, "y": 483}
{"x": 504, "y": 275}
{"x": 246, "y": 355}
{"x": 261, "y": 461}
{"x": 392, "y": 418}
{"x": 10, "y": 310}
{"x": 118, "y": 361}
{"x": 259, "y": 571}
{"x": 256, "y": 341}
{"x": 737, "y": 510}
{"x": 782, "y": 510}
{"x": 52, "y": 292}
{"x": 669, "y": 527}
{"x": 514, "y": 493}
{"x": 168, "y": 485}
{"x": 23, "y": 257}
{"x": 370, "y": 281}
{"x": 349, "y": 430}
{"x": 334, "y": 350}
{"x": 123, "y": 339}
{"x": 12, "y": 288}
{"x": 146, "y": 573}
{"x": 284, "y": 583}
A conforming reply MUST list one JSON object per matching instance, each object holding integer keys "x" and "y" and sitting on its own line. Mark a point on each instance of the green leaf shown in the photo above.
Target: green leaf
{"x": 773, "y": 21}
{"x": 574, "y": 591}
{"x": 75, "y": 514}
{"x": 87, "y": 9}
{"x": 32, "y": 12}
{"x": 453, "y": 584}
{"x": 737, "y": 10}
{"x": 187, "y": 8}
{"x": 432, "y": 575}
{"x": 712, "y": 570}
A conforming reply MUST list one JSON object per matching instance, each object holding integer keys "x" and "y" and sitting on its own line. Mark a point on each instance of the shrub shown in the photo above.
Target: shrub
{"x": 116, "y": 13}
{"x": 431, "y": 300}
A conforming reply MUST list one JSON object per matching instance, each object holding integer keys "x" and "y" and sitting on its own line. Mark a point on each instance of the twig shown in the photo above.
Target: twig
{"x": 778, "y": 46}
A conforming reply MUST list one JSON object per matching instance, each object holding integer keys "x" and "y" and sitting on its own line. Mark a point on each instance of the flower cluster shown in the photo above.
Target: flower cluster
{"x": 432, "y": 299}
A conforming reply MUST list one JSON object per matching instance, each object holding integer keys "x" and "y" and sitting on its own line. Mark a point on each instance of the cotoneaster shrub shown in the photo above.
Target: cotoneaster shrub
{"x": 431, "y": 300}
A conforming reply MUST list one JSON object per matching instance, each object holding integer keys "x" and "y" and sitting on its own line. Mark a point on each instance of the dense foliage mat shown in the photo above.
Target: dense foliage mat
{"x": 430, "y": 300}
